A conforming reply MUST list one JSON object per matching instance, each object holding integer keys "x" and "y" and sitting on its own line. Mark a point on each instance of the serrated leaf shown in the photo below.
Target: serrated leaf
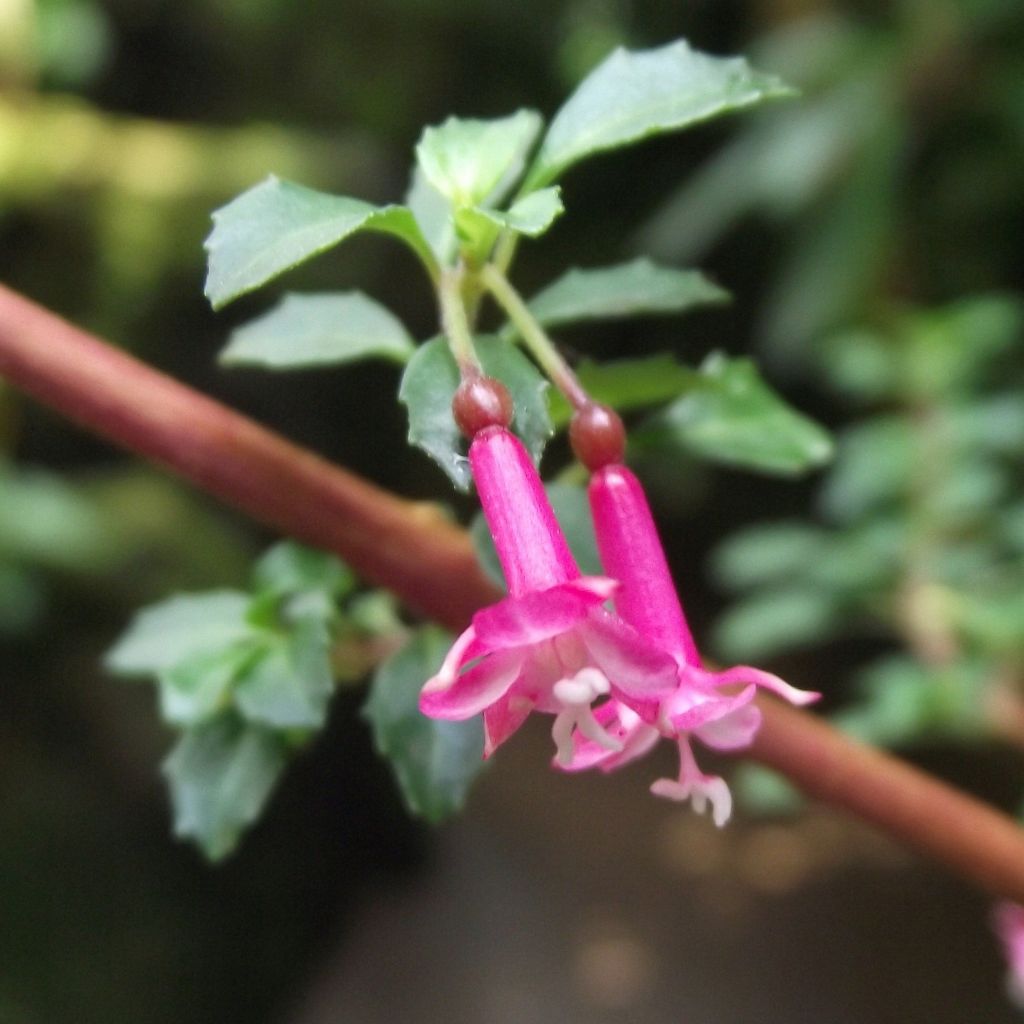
{"x": 322, "y": 329}
{"x": 572, "y": 510}
{"x": 627, "y": 289}
{"x": 290, "y": 685}
{"x": 733, "y": 417}
{"x": 277, "y": 224}
{"x": 221, "y": 774}
{"x": 197, "y": 688}
{"x": 429, "y": 383}
{"x": 173, "y": 630}
{"x": 627, "y": 384}
{"x": 470, "y": 161}
{"x": 633, "y": 95}
{"x": 434, "y": 762}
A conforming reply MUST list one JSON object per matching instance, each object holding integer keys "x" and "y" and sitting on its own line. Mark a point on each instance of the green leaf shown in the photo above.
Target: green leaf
{"x": 290, "y": 568}
{"x": 221, "y": 775}
{"x": 768, "y": 553}
{"x": 783, "y": 619}
{"x": 905, "y": 701}
{"x": 478, "y": 227}
{"x": 627, "y": 384}
{"x": 572, "y": 510}
{"x": 290, "y": 685}
{"x": 429, "y": 383}
{"x": 277, "y": 224}
{"x": 434, "y": 762}
{"x": 470, "y": 161}
{"x": 433, "y": 214}
{"x": 873, "y": 468}
{"x": 633, "y": 95}
{"x": 47, "y": 522}
{"x": 733, "y": 417}
{"x": 318, "y": 330}
{"x": 531, "y": 215}
{"x": 197, "y": 688}
{"x": 627, "y": 289}
{"x": 165, "y": 634}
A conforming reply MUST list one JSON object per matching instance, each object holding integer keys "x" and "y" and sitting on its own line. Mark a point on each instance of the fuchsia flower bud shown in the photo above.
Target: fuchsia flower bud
{"x": 703, "y": 704}
{"x": 549, "y": 646}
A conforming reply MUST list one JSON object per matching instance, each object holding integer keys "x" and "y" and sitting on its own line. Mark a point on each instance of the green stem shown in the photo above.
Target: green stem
{"x": 505, "y": 250}
{"x": 534, "y": 336}
{"x": 455, "y": 323}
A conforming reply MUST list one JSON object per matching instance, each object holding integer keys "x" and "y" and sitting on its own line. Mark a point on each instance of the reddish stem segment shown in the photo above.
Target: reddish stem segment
{"x": 408, "y": 547}
{"x": 973, "y": 839}
{"x": 411, "y": 549}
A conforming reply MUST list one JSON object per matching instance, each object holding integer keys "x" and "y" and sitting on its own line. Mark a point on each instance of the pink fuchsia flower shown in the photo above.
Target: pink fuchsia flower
{"x": 715, "y": 707}
{"x": 550, "y": 646}
{"x": 1008, "y": 922}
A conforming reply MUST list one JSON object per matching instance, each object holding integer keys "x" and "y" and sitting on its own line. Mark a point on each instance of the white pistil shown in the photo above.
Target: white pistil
{"x": 576, "y": 694}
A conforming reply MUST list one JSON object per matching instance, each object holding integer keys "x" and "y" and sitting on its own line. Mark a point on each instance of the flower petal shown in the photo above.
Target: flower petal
{"x": 503, "y": 718}
{"x": 641, "y": 674}
{"x": 458, "y": 655}
{"x": 542, "y": 614}
{"x": 475, "y": 689}
{"x": 733, "y": 731}
{"x": 702, "y": 711}
{"x": 746, "y": 674}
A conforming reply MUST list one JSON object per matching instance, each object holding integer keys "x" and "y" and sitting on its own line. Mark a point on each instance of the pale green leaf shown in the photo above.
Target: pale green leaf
{"x": 290, "y": 685}
{"x": 318, "y": 330}
{"x": 633, "y": 95}
{"x": 278, "y": 224}
{"x": 471, "y": 161}
{"x": 629, "y": 289}
{"x": 174, "y": 630}
{"x": 46, "y": 521}
{"x": 478, "y": 227}
{"x": 290, "y": 568}
{"x": 434, "y": 762}
{"x": 782, "y": 619}
{"x": 733, "y": 417}
{"x": 221, "y": 774}
{"x": 433, "y": 214}
{"x": 767, "y": 553}
{"x": 198, "y": 687}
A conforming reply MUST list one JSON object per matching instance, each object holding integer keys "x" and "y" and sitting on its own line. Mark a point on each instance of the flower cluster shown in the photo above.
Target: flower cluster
{"x": 615, "y": 682}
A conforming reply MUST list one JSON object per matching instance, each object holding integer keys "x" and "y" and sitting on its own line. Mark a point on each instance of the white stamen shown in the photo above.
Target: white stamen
{"x": 576, "y": 695}
{"x": 697, "y": 787}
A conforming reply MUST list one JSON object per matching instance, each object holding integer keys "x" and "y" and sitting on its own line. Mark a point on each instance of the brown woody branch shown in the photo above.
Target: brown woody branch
{"x": 413, "y": 550}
